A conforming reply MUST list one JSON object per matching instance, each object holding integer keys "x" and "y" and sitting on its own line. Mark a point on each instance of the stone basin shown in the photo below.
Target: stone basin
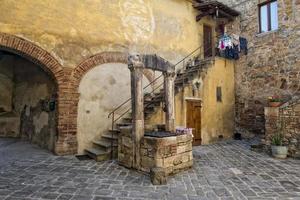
{"x": 161, "y": 134}
{"x": 170, "y": 155}
{"x": 173, "y": 153}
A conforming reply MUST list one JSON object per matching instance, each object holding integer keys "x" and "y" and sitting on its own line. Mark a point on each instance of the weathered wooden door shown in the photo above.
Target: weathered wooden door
{"x": 193, "y": 120}
{"x": 207, "y": 41}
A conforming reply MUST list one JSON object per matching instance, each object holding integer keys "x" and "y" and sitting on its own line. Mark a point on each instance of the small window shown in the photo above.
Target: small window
{"x": 268, "y": 16}
{"x": 219, "y": 94}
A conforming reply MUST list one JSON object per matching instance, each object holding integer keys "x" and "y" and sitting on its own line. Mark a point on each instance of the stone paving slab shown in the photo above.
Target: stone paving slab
{"x": 226, "y": 170}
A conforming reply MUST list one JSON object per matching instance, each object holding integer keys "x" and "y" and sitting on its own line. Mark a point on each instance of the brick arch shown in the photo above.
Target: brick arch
{"x": 82, "y": 68}
{"x": 66, "y": 141}
{"x": 102, "y": 58}
{"x": 33, "y": 53}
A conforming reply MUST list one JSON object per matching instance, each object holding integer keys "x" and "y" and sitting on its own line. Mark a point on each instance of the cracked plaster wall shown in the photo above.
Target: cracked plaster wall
{"x": 26, "y": 116}
{"x": 101, "y": 90}
{"x": 74, "y": 30}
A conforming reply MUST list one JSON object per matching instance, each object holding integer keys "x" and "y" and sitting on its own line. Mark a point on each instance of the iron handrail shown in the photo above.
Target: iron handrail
{"x": 112, "y": 113}
{"x": 117, "y": 108}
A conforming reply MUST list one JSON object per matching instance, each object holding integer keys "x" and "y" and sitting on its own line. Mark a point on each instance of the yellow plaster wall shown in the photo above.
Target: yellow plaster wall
{"x": 101, "y": 90}
{"x": 76, "y": 29}
{"x": 217, "y": 118}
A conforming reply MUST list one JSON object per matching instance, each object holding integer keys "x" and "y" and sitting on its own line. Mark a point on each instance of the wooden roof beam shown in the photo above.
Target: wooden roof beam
{"x": 203, "y": 14}
{"x": 230, "y": 17}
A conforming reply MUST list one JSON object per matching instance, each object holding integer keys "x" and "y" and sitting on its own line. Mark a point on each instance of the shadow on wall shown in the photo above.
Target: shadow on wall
{"x": 101, "y": 90}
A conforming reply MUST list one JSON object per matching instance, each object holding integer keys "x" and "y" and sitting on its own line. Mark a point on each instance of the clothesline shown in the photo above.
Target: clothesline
{"x": 230, "y": 46}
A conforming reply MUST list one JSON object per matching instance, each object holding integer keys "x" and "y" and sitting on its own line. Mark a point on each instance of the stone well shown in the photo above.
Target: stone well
{"x": 160, "y": 154}
{"x": 166, "y": 155}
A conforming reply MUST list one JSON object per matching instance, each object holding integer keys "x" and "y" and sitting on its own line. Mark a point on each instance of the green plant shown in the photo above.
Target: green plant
{"x": 274, "y": 98}
{"x": 277, "y": 139}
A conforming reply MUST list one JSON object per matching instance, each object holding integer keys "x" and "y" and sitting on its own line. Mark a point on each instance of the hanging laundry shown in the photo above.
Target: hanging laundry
{"x": 244, "y": 45}
{"x": 230, "y": 46}
{"x": 236, "y": 40}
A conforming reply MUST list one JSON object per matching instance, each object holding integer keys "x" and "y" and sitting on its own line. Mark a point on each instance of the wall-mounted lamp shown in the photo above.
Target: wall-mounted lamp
{"x": 196, "y": 87}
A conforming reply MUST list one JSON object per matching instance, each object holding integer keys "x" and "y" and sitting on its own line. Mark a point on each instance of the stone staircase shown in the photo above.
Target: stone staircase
{"x": 106, "y": 147}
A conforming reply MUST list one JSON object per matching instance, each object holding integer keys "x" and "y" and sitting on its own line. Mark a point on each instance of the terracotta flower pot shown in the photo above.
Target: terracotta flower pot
{"x": 279, "y": 151}
{"x": 275, "y": 104}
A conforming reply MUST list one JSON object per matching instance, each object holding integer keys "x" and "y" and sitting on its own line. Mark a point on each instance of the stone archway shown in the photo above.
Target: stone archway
{"x": 66, "y": 140}
{"x": 105, "y": 59}
{"x": 102, "y": 58}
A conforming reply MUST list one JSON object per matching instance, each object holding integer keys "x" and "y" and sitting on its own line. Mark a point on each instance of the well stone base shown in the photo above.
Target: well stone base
{"x": 170, "y": 155}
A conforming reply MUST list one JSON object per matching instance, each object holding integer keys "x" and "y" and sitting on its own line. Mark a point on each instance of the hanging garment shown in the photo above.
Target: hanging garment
{"x": 244, "y": 45}
{"x": 236, "y": 51}
{"x": 225, "y": 41}
{"x": 221, "y": 45}
{"x": 236, "y": 40}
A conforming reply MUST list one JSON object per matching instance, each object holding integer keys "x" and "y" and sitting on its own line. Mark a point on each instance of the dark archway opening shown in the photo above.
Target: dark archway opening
{"x": 28, "y": 97}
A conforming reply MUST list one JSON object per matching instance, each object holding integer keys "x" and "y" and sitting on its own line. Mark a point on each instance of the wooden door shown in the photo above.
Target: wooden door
{"x": 193, "y": 120}
{"x": 207, "y": 41}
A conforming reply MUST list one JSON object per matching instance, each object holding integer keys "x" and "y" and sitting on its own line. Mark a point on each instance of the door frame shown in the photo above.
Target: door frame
{"x": 186, "y": 115}
{"x": 212, "y": 40}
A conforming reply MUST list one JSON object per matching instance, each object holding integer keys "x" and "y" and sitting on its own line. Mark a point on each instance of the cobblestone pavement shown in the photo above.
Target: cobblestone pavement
{"x": 226, "y": 170}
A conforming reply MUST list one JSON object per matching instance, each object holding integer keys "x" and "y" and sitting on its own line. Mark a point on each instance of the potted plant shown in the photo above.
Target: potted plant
{"x": 278, "y": 149}
{"x": 275, "y": 101}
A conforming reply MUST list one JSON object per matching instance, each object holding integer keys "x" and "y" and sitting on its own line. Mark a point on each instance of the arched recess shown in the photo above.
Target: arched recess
{"x": 90, "y": 64}
{"x": 66, "y": 140}
{"x": 102, "y": 58}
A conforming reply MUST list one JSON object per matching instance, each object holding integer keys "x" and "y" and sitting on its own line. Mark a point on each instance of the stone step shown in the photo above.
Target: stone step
{"x": 115, "y": 131}
{"x": 110, "y": 136}
{"x": 123, "y": 124}
{"x": 192, "y": 72}
{"x": 105, "y": 144}
{"x": 98, "y": 154}
{"x": 150, "y": 105}
{"x": 181, "y": 79}
{"x": 153, "y": 100}
{"x": 127, "y": 119}
{"x": 159, "y": 94}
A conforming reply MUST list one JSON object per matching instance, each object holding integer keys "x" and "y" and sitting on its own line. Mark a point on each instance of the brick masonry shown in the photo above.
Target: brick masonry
{"x": 272, "y": 64}
{"x": 66, "y": 142}
{"x": 170, "y": 154}
{"x": 286, "y": 120}
{"x": 67, "y": 80}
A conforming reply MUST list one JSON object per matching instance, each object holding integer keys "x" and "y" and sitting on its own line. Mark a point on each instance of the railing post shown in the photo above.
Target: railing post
{"x": 112, "y": 136}
{"x": 112, "y": 121}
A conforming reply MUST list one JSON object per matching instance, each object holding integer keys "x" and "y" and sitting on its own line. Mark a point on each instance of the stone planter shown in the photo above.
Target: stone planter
{"x": 275, "y": 104}
{"x": 279, "y": 151}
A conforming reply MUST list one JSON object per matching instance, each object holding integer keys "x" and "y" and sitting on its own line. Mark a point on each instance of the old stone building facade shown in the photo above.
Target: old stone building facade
{"x": 83, "y": 48}
{"x": 272, "y": 64}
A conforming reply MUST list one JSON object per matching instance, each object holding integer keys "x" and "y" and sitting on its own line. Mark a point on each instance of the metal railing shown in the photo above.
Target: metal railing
{"x": 112, "y": 114}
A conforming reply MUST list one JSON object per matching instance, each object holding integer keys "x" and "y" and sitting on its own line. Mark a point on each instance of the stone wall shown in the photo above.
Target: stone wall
{"x": 101, "y": 32}
{"x": 284, "y": 120}
{"x": 85, "y": 29}
{"x": 217, "y": 118}
{"x": 101, "y": 90}
{"x": 29, "y": 116}
{"x": 171, "y": 154}
{"x": 9, "y": 125}
{"x": 272, "y": 64}
{"x": 6, "y": 84}
{"x": 125, "y": 147}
